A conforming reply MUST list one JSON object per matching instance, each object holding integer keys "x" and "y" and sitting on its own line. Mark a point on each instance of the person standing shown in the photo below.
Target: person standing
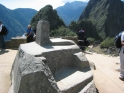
{"x": 121, "y": 54}
{"x": 2, "y": 41}
{"x": 81, "y": 37}
{"x": 81, "y": 34}
{"x": 29, "y": 34}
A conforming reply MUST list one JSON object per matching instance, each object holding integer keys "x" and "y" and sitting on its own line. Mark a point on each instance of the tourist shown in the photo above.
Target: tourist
{"x": 121, "y": 54}
{"x": 3, "y": 30}
{"x": 29, "y": 34}
{"x": 81, "y": 35}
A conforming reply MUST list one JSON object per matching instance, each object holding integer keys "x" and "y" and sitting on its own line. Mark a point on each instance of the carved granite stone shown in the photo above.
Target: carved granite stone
{"x": 51, "y": 66}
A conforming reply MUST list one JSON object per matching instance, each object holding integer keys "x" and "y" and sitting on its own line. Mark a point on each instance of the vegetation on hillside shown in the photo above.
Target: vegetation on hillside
{"x": 108, "y": 42}
{"x": 62, "y": 31}
{"x": 106, "y": 15}
{"x": 49, "y": 14}
{"x": 87, "y": 25}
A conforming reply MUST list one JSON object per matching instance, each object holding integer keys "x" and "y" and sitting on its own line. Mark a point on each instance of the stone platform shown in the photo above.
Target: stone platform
{"x": 51, "y": 66}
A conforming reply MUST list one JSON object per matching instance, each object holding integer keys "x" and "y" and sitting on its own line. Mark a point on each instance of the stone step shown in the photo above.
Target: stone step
{"x": 73, "y": 80}
{"x": 89, "y": 88}
{"x": 81, "y": 60}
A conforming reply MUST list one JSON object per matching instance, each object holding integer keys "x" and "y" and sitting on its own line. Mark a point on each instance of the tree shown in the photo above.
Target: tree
{"x": 88, "y": 27}
{"x": 62, "y": 31}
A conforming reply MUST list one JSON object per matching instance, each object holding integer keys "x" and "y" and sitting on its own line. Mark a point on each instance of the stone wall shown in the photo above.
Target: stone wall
{"x": 15, "y": 42}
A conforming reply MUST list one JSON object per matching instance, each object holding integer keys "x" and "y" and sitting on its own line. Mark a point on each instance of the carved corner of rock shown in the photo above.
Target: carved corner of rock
{"x": 51, "y": 66}
{"x": 42, "y": 35}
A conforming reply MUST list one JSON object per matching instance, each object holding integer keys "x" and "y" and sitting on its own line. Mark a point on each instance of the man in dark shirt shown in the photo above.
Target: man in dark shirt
{"x": 2, "y": 41}
{"x": 81, "y": 34}
{"x": 81, "y": 38}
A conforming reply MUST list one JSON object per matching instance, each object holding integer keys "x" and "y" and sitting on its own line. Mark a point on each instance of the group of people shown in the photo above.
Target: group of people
{"x": 30, "y": 34}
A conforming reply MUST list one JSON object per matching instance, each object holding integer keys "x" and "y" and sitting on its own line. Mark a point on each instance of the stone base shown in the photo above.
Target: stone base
{"x": 57, "y": 68}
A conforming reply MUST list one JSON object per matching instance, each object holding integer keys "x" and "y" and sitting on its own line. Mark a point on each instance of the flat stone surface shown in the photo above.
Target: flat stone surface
{"x": 34, "y": 49}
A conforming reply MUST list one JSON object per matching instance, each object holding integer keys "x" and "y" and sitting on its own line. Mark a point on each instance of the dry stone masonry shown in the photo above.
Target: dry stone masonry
{"x": 51, "y": 66}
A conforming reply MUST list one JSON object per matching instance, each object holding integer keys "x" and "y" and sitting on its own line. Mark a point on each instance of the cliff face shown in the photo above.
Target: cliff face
{"x": 88, "y": 8}
{"x": 106, "y": 15}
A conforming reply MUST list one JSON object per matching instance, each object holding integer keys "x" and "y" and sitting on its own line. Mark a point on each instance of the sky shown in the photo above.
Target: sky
{"x": 34, "y": 4}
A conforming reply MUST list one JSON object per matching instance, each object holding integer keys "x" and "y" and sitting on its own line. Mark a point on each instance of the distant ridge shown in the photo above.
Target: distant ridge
{"x": 71, "y": 11}
{"x": 16, "y": 20}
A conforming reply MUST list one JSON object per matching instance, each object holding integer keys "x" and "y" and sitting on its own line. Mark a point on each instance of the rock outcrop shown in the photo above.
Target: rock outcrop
{"x": 106, "y": 15}
{"x": 55, "y": 67}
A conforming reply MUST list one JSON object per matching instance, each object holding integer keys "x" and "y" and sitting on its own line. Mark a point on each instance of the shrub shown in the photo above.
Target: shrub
{"x": 62, "y": 31}
{"x": 107, "y": 43}
{"x": 91, "y": 40}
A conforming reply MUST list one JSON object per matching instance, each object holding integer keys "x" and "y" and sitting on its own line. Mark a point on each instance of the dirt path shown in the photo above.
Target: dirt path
{"x": 6, "y": 60}
{"x": 105, "y": 75}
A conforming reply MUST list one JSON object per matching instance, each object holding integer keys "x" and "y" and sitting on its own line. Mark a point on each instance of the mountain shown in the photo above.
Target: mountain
{"x": 16, "y": 20}
{"x": 106, "y": 15}
{"x": 26, "y": 14}
{"x": 71, "y": 11}
{"x": 49, "y": 14}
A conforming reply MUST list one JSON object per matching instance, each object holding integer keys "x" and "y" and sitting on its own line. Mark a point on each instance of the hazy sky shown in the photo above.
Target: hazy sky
{"x": 34, "y": 4}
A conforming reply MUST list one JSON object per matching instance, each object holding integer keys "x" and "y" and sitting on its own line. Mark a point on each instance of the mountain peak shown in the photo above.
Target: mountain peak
{"x": 71, "y": 11}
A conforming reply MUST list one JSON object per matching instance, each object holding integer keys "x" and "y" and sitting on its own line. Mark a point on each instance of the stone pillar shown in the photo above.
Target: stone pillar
{"x": 42, "y": 35}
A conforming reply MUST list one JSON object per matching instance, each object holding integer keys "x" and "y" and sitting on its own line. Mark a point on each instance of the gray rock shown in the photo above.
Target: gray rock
{"x": 42, "y": 35}
{"x": 58, "y": 66}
